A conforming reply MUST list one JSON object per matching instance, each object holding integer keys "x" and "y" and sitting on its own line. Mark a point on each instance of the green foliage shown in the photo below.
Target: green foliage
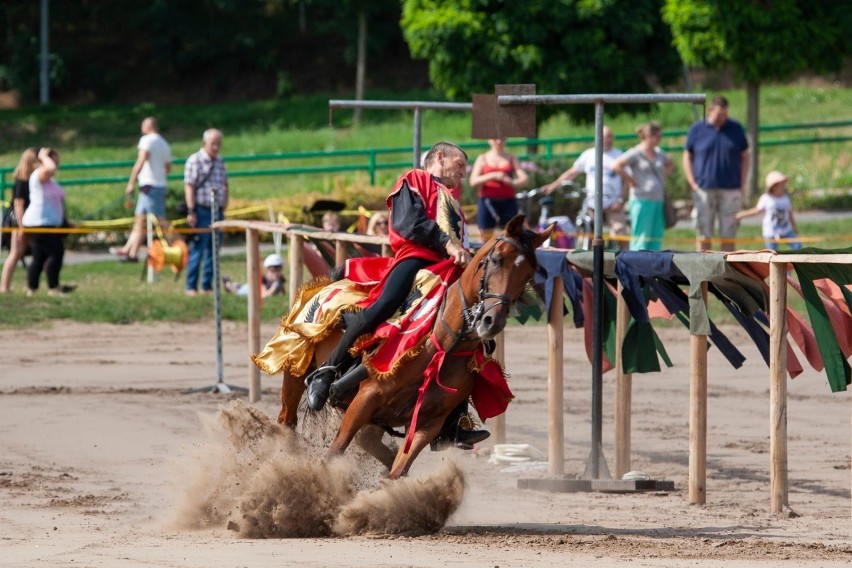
{"x": 190, "y": 50}
{"x": 762, "y": 40}
{"x": 562, "y": 47}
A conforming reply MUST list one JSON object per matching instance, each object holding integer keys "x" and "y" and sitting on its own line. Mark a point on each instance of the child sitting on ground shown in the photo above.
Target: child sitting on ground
{"x": 272, "y": 281}
{"x": 778, "y": 220}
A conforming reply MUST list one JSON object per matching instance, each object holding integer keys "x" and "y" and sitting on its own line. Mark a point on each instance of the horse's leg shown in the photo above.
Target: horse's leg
{"x": 292, "y": 389}
{"x": 358, "y": 415}
{"x": 370, "y": 438}
{"x": 421, "y": 438}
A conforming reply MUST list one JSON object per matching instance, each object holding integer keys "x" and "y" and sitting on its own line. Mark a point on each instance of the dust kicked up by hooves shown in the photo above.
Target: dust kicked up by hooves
{"x": 263, "y": 481}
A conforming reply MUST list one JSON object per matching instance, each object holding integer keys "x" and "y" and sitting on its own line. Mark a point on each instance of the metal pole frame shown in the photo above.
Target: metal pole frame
{"x": 596, "y": 460}
{"x": 416, "y": 106}
{"x": 220, "y": 386}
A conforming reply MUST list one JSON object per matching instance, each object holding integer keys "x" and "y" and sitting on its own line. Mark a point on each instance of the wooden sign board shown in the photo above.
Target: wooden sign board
{"x": 493, "y": 120}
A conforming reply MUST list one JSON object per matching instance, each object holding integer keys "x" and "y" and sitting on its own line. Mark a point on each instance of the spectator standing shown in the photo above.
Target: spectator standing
{"x": 497, "y": 176}
{"x": 46, "y": 211}
{"x": 205, "y": 179}
{"x": 715, "y": 164}
{"x": 153, "y": 164}
{"x": 778, "y": 219}
{"x": 613, "y": 195}
{"x": 20, "y": 201}
{"x": 648, "y": 168}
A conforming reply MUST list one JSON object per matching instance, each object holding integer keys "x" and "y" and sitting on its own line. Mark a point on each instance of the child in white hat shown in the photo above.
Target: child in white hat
{"x": 272, "y": 282}
{"x": 779, "y": 225}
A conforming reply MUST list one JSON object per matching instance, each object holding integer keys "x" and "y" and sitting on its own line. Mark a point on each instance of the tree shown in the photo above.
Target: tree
{"x": 762, "y": 40}
{"x": 582, "y": 46}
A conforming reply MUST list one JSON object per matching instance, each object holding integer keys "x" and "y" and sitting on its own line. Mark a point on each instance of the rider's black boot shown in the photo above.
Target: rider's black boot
{"x": 347, "y": 383}
{"x": 453, "y": 434}
{"x": 319, "y": 381}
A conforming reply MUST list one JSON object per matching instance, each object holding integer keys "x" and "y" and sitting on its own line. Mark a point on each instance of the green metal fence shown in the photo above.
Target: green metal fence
{"x": 373, "y": 160}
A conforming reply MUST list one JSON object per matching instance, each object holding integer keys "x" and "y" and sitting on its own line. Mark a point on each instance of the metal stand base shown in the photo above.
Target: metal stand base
{"x": 217, "y": 388}
{"x": 562, "y": 485}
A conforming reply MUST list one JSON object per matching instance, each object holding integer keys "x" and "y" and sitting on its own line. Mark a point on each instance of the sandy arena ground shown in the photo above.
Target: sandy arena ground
{"x": 96, "y": 439}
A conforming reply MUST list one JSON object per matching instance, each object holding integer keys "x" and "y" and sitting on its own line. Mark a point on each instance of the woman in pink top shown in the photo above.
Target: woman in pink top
{"x": 497, "y": 176}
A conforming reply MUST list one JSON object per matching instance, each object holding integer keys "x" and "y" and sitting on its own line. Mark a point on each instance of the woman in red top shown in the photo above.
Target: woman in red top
{"x": 497, "y": 176}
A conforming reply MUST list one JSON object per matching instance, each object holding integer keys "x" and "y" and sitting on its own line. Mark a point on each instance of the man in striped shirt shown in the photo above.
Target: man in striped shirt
{"x": 204, "y": 179}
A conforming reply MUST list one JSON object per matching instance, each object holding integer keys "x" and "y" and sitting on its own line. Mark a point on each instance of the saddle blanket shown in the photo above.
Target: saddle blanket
{"x": 318, "y": 311}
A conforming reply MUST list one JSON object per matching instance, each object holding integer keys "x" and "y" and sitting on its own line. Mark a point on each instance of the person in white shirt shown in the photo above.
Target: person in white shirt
{"x": 46, "y": 211}
{"x": 151, "y": 169}
{"x": 613, "y": 194}
{"x": 778, "y": 220}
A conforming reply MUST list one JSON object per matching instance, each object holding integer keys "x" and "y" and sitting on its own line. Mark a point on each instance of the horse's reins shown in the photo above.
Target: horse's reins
{"x": 472, "y": 314}
{"x": 469, "y": 317}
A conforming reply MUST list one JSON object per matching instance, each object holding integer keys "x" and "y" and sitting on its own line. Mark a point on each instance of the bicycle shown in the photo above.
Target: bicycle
{"x": 564, "y": 236}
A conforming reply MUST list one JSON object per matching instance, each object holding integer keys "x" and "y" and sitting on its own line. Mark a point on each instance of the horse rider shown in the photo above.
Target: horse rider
{"x": 426, "y": 227}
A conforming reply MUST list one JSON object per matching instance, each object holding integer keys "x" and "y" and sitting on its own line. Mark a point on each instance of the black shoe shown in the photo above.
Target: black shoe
{"x": 319, "y": 384}
{"x": 463, "y": 439}
{"x": 129, "y": 259}
{"x": 347, "y": 383}
{"x": 67, "y": 288}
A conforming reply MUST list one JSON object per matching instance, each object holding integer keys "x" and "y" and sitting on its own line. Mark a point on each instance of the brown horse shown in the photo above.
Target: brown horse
{"x": 475, "y": 309}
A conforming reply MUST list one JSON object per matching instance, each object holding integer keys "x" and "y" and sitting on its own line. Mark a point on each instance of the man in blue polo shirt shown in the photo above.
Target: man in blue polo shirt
{"x": 715, "y": 163}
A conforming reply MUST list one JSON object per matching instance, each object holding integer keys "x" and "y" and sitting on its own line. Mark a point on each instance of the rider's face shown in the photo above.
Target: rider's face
{"x": 453, "y": 167}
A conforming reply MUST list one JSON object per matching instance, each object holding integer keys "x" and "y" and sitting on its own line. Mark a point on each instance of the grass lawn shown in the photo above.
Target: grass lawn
{"x": 112, "y": 292}
{"x": 110, "y": 132}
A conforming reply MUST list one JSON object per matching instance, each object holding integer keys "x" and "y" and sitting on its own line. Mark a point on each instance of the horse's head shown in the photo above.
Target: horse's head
{"x": 498, "y": 274}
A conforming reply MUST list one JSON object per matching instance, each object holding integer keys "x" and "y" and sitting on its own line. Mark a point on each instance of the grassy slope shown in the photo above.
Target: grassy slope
{"x": 108, "y": 133}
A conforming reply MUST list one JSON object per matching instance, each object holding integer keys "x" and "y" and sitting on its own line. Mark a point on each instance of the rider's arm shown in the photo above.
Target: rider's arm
{"x": 408, "y": 218}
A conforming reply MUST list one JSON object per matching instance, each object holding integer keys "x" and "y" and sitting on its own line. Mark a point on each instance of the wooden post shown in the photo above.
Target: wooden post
{"x": 340, "y": 253}
{"x": 297, "y": 255}
{"x": 253, "y": 279}
{"x": 698, "y": 416}
{"x": 623, "y": 393}
{"x": 555, "y": 390}
{"x": 498, "y": 425}
{"x": 778, "y": 386}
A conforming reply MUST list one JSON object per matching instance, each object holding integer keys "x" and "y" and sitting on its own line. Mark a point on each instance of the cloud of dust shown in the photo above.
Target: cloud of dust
{"x": 261, "y": 481}
{"x": 405, "y": 506}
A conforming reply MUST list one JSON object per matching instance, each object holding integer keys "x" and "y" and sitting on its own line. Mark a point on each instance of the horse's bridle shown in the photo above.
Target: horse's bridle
{"x": 472, "y": 314}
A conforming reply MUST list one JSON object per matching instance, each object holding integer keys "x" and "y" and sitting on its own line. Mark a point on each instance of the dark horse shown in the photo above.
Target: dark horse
{"x": 475, "y": 309}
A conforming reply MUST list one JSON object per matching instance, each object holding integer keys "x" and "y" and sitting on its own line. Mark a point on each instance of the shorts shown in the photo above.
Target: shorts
{"x": 772, "y": 244}
{"x": 616, "y": 220}
{"x": 491, "y": 213}
{"x": 152, "y": 202}
{"x": 710, "y": 203}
